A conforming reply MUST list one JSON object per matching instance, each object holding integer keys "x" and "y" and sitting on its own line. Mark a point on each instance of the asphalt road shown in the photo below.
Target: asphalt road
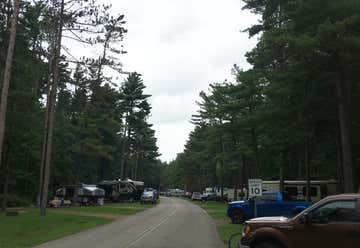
{"x": 174, "y": 223}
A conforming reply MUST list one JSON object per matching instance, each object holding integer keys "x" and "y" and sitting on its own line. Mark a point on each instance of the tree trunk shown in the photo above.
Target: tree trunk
{"x": 6, "y": 188}
{"x": 45, "y": 127}
{"x": 122, "y": 162}
{"x": 339, "y": 160}
{"x": 256, "y": 151}
{"x": 235, "y": 192}
{"x": 307, "y": 168}
{"x": 7, "y": 176}
{"x": 213, "y": 174}
{"x": 51, "y": 118}
{"x": 299, "y": 168}
{"x": 281, "y": 173}
{"x": 135, "y": 177}
{"x": 345, "y": 126}
{"x": 242, "y": 177}
{"x": 7, "y": 75}
{"x": 222, "y": 165}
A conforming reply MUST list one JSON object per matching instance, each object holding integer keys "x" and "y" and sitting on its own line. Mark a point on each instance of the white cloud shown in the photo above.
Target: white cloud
{"x": 180, "y": 46}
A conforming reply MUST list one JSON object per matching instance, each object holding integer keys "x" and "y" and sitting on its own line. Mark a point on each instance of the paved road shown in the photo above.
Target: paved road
{"x": 174, "y": 223}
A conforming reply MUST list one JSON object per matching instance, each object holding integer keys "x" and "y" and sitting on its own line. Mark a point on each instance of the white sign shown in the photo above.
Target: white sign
{"x": 255, "y": 187}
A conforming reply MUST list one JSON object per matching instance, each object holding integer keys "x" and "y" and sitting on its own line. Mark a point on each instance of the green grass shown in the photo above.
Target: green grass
{"x": 29, "y": 229}
{"x": 112, "y": 208}
{"x": 217, "y": 210}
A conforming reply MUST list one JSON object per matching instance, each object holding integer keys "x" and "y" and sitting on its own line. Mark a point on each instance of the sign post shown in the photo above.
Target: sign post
{"x": 255, "y": 190}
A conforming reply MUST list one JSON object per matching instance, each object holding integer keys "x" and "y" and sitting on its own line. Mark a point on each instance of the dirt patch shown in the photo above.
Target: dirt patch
{"x": 18, "y": 210}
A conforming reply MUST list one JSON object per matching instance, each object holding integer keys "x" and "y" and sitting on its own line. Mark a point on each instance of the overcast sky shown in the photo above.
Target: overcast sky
{"x": 180, "y": 47}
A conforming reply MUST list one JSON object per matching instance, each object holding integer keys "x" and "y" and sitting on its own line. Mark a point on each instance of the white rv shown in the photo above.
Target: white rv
{"x": 296, "y": 189}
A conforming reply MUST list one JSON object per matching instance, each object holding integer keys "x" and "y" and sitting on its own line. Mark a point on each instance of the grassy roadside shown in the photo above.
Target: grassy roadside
{"x": 110, "y": 209}
{"x": 29, "y": 229}
{"x": 217, "y": 210}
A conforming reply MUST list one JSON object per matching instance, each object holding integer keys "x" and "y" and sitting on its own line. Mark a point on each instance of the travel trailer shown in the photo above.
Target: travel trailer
{"x": 228, "y": 193}
{"x": 122, "y": 190}
{"x": 177, "y": 192}
{"x": 81, "y": 194}
{"x": 296, "y": 189}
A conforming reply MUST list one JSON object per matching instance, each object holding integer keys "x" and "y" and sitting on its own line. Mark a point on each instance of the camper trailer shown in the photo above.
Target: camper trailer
{"x": 81, "y": 194}
{"x": 177, "y": 192}
{"x": 226, "y": 193}
{"x": 296, "y": 189}
{"x": 122, "y": 190}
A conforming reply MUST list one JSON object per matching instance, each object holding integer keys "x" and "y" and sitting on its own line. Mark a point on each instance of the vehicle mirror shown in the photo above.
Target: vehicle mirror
{"x": 306, "y": 219}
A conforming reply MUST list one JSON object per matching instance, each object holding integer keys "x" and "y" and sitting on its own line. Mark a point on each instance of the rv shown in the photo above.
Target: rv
{"x": 227, "y": 193}
{"x": 122, "y": 190}
{"x": 177, "y": 192}
{"x": 81, "y": 194}
{"x": 296, "y": 189}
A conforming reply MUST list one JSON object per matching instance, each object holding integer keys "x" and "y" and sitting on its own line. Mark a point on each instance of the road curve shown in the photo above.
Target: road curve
{"x": 174, "y": 223}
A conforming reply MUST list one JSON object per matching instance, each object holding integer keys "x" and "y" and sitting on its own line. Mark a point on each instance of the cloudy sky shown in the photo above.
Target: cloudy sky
{"x": 180, "y": 46}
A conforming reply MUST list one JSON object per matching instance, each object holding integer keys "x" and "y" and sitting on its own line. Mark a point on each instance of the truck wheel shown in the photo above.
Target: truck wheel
{"x": 267, "y": 245}
{"x": 237, "y": 217}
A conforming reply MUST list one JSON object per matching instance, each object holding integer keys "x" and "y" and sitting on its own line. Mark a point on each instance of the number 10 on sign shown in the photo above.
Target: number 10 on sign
{"x": 255, "y": 187}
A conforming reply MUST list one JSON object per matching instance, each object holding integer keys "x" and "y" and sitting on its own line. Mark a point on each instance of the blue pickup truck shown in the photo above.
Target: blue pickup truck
{"x": 269, "y": 204}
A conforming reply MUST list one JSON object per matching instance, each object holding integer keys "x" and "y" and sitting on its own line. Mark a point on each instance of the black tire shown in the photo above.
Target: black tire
{"x": 237, "y": 217}
{"x": 267, "y": 245}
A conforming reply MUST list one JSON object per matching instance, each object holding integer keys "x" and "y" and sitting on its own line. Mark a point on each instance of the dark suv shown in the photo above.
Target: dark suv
{"x": 331, "y": 223}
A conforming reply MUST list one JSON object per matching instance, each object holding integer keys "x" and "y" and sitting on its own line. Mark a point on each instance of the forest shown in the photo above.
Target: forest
{"x": 65, "y": 119}
{"x": 294, "y": 114}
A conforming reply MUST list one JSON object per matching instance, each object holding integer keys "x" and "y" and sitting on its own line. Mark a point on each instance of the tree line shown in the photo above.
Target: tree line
{"x": 294, "y": 114}
{"x": 64, "y": 119}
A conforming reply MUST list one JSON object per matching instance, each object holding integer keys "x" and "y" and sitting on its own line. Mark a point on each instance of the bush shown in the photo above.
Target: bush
{"x": 16, "y": 201}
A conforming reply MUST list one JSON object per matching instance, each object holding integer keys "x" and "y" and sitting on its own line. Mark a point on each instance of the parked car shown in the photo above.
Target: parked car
{"x": 196, "y": 196}
{"x": 188, "y": 194}
{"x": 156, "y": 193}
{"x": 332, "y": 222}
{"x": 269, "y": 204}
{"x": 148, "y": 196}
{"x": 59, "y": 203}
{"x": 213, "y": 197}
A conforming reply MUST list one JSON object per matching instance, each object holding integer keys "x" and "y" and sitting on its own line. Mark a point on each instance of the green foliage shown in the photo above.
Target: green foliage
{"x": 100, "y": 121}
{"x": 285, "y": 114}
